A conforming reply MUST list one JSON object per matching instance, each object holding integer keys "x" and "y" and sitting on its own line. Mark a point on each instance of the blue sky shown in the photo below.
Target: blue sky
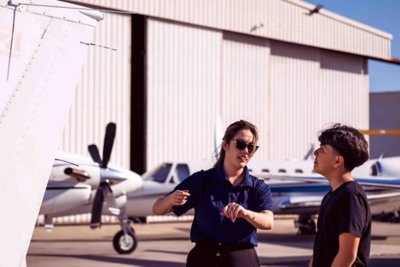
{"x": 383, "y": 15}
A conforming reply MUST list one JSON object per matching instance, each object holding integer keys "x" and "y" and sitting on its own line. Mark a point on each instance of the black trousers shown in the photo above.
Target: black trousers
{"x": 222, "y": 255}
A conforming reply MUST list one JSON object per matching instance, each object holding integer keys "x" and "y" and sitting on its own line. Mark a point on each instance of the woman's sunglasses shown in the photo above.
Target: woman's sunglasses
{"x": 241, "y": 145}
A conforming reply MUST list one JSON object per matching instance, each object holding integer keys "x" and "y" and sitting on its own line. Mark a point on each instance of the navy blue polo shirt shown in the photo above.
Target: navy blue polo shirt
{"x": 210, "y": 192}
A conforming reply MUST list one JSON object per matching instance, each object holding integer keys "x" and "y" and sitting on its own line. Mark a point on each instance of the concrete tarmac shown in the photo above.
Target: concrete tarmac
{"x": 167, "y": 244}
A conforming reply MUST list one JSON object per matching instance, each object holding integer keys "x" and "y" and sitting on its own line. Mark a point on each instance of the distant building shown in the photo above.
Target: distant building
{"x": 384, "y": 114}
{"x": 164, "y": 69}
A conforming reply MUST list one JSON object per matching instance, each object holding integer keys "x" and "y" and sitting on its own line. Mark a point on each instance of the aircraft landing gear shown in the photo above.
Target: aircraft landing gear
{"x": 306, "y": 225}
{"x": 125, "y": 241}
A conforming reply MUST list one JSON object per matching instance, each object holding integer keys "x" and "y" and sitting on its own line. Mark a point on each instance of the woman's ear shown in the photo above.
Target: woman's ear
{"x": 224, "y": 145}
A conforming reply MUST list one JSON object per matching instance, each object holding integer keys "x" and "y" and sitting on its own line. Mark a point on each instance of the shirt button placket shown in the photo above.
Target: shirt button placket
{"x": 232, "y": 197}
{"x": 218, "y": 254}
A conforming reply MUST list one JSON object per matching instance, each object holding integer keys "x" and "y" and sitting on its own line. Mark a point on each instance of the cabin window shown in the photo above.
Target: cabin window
{"x": 182, "y": 171}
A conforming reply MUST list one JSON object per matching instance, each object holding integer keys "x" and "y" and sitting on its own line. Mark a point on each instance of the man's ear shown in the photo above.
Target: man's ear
{"x": 339, "y": 161}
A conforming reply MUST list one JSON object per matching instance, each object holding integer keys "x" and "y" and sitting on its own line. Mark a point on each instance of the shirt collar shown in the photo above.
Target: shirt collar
{"x": 220, "y": 176}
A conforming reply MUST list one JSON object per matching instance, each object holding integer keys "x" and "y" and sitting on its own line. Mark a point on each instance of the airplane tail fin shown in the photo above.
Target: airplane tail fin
{"x": 218, "y": 135}
{"x": 309, "y": 153}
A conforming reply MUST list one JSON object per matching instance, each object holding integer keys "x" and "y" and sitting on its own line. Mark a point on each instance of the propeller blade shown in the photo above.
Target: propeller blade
{"x": 97, "y": 207}
{"x": 94, "y": 153}
{"x": 108, "y": 143}
{"x": 104, "y": 192}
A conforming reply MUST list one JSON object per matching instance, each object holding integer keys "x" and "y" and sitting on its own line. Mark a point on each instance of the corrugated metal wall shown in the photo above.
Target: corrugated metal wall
{"x": 245, "y": 84}
{"x": 193, "y": 73}
{"x": 289, "y": 91}
{"x": 183, "y": 70}
{"x": 294, "y": 99}
{"x": 343, "y": 90}
{"x": 103, "y": 94}
{"x": 285, "y": 20}
{"x": 310, "y": 90}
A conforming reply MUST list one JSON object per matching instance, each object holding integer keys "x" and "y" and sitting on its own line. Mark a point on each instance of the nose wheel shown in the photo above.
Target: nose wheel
{"x": 125, "y": 243}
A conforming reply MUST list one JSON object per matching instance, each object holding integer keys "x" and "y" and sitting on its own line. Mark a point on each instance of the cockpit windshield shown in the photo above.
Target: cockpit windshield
{"x": 160, "y": 174}
{"x": 182, "y": 171}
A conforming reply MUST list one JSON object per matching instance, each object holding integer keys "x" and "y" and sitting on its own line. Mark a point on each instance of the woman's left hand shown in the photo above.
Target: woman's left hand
{"x": 234, "y": 211}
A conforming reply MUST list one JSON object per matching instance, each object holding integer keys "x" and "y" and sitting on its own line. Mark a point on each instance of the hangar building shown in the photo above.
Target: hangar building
{"x": 163, "y": 70}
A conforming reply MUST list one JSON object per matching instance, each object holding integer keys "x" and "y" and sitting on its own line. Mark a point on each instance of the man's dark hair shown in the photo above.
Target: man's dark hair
{"x": 348, "y": 142}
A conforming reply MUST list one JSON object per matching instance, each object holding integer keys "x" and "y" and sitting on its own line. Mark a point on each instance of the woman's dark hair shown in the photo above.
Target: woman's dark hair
{"x": 231, "y": 132}
{"x": 348, "y": 142}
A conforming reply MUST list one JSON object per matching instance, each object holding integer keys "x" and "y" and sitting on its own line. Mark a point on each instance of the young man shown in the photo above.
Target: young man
{"x": 344, "y": 222}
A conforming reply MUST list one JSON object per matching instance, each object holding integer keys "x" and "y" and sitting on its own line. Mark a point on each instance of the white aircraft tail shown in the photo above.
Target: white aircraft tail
{"x": 42, "y": 49}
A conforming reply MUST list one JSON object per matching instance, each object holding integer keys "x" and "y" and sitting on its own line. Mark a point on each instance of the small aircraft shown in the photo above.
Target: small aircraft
{"x": 80, "y": 185}
{"x": 42, "y": 50}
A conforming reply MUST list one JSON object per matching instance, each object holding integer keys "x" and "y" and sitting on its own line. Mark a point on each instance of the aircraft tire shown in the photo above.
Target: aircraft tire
{"x": 125, "y": 244}
{"x": 307, "y": 230}
{"x": 306, "y": 225}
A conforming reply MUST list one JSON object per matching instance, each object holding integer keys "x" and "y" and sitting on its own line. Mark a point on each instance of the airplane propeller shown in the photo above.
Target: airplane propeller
{"x": 104, "y": 191}
{"x": 107, "y": 148}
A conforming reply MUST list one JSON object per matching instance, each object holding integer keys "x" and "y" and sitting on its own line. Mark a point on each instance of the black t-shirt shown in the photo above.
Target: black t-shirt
{"x": 344, "y": 210}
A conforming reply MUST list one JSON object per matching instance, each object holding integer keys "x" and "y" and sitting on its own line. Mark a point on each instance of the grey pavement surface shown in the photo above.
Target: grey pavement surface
{"x": 167, "y": 244}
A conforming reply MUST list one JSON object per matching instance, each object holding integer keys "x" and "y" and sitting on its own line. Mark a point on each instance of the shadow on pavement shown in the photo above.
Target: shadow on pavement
{"x": 116, "y": 260}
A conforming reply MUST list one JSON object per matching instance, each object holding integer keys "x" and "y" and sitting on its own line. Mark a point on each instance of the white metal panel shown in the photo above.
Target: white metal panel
{"x": 343, "y": 95}
{"x": 183, "y": 70}
{"x": 103, "y": 94}
{"x": 39, "y": 82}
{"x": 285, "y": 20}
{"x": 294, "y": 85}
{"x": 245, "y": 84}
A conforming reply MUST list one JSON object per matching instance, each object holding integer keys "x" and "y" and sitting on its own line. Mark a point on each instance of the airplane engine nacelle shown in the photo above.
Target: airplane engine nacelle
{"x": 90, "y": 174}
{"x": 386, "y": 167}
{"x": 58, "y": 200}
{"x": 74, "y": 169}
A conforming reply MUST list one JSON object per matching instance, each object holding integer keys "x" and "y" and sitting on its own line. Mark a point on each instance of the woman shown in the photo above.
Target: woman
{"x": 230, "y": 204}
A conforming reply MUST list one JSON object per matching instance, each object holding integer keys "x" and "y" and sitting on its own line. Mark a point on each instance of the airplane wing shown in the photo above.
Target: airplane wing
{"x": 298, "y": 204}
{"x": 303, "y": 193}
{"x": 42, "y": 49}
{"x": 375, "y": 181}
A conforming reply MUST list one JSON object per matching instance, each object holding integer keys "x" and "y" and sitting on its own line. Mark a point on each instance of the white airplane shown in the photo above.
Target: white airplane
{"x": 41, "y": 53}
{"x": 80, "y": 185}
